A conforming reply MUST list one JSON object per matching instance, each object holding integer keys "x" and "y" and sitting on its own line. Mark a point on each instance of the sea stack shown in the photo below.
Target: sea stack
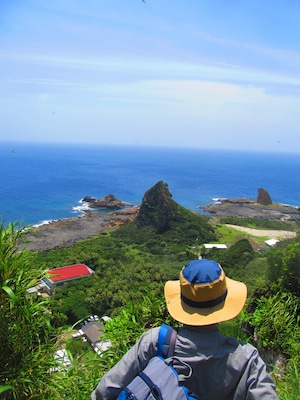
{"x": 263, "y": 197}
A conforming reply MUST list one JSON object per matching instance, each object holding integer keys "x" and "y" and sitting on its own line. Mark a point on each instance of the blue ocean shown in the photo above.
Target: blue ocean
{"x": 45, "y": 182}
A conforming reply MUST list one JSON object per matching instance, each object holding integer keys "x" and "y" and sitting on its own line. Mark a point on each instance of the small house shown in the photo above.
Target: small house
{"x": 215, "y": 246}
{"x": 271, "y": 242}
{"x": 93, "y": 330}
{"x": 56, "y": 277}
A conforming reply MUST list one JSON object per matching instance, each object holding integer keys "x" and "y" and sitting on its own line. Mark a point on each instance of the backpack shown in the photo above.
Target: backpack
{"x": 159, "y": 380}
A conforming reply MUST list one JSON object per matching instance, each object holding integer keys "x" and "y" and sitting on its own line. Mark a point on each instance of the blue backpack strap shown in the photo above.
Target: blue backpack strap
{"x": 166, "y": 341}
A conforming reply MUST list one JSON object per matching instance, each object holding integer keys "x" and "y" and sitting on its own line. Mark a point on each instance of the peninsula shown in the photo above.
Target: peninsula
{"x": 247, "y": 208}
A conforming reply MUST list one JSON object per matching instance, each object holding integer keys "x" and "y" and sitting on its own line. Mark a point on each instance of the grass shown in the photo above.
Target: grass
{"x": 228, "y": 235}
{"x": 288, "y": 382}
{"x": 259, "y": 223}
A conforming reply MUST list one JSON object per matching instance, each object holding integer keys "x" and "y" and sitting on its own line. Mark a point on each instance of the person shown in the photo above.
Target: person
{"x": 222, "y": 367}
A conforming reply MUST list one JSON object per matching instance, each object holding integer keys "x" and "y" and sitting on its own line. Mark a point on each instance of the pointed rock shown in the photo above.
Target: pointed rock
{"x": 157, "y": 208}
{"x": 263, "y": 197}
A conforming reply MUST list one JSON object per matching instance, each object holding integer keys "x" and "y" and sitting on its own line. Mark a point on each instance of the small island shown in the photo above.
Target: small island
{"x": 109, "y": 202}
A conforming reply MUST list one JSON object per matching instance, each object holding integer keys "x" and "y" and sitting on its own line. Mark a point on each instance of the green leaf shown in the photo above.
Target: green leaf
{"x": 10, "y": 292}
{"x": 4, "y": 388}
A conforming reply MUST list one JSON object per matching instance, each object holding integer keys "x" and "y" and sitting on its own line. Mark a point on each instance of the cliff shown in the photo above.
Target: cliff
{"x": 160, "y": 211}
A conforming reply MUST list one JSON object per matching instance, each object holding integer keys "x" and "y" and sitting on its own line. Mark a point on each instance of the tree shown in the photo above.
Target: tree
{"x": 238, "y": 256}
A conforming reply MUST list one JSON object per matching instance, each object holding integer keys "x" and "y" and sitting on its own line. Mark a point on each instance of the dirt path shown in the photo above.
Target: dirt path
{"x": 271, "y": 234}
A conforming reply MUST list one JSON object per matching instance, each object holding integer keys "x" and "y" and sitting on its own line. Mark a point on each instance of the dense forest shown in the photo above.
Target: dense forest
{"x": 131, "y": 265}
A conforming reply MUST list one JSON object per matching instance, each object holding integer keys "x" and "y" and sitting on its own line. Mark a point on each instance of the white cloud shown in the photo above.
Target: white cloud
{"x": 138, "y": 69}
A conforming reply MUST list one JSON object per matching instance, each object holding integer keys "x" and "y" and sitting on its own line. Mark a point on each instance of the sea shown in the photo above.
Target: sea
{"x": 42, "y": 182}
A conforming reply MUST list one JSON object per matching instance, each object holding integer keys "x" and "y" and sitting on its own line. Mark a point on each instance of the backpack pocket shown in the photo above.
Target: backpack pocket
{"x": 157, "y": 381}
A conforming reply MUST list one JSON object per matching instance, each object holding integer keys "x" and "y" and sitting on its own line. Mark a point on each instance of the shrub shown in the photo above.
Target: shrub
{"x": 276, "y": 323}
{"x": 284, "y": 267}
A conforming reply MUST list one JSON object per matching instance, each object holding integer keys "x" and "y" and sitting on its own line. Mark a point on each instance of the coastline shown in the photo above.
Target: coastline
{"x": 66, "y": 232}
{"x": 246, "y": 208}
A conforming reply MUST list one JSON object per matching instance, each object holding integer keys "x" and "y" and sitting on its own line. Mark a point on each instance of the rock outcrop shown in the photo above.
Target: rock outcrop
{"x": 263, "y": 197}
{"x": 67, "y": 232}
{"x": 262, "y": 208}
{"x": 159, "y": 211}
{"x": 89, "y": 199}
{"x": 157, "y": 208}
{"x": 109, "y": 202}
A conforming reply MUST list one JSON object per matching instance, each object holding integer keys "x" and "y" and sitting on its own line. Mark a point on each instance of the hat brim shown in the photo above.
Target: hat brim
{"x": 229, "y": 309}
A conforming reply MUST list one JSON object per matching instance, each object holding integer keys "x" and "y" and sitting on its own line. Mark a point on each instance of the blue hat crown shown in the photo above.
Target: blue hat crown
{"x": 202, "y": 271}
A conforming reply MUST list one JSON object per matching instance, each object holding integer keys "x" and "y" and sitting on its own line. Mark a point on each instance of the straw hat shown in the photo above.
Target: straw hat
{"x": 203, "y": 295}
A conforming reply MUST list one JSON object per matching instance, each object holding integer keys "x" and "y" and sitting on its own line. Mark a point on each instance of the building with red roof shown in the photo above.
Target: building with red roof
{"x": 56, "y": 277}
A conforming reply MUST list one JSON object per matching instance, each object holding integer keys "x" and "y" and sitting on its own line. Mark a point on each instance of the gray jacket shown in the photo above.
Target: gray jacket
{"x": 223, "y": 368}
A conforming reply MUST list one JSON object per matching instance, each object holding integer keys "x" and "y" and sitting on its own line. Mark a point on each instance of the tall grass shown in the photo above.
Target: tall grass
{"x": 288, "y": 382}
{"x": 27, "y": 341}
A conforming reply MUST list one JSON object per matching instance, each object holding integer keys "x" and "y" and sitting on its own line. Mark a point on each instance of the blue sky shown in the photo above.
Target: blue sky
{"x": 196, "y": 73}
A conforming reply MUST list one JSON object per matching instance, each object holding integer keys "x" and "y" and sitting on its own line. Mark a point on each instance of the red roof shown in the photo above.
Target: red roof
{"x": 69, "y": 272}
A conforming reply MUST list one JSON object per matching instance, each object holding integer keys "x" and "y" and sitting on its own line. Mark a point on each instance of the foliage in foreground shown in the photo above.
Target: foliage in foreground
{"x": 25, "y": 325}
{"x": 284, "y": 267}
{"x": 275, "y": 319}
{"x": 288, "y": 383}
{"x": 275, "y": 322}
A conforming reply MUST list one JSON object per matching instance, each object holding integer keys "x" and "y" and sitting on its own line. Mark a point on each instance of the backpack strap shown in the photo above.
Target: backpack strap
{"x": 166, "y": 341}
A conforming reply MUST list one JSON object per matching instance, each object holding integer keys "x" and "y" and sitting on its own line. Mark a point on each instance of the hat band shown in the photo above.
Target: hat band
{"x": 205, "y": 304}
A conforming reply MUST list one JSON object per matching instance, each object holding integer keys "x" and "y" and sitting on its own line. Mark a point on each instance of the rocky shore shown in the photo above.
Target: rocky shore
{"x": 251, "y": 209}
{"x": 66, "y": 232}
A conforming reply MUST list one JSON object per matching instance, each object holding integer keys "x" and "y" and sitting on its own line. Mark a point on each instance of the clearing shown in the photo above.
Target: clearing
{"x": 272, "y": 234}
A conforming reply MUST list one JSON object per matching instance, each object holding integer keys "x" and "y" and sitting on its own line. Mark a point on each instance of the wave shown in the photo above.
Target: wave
{"x": 45, "y": 222}
{"x": 81, "y": 209}
{"x": 289, "y": 205}
{"x": 219, "y": 198}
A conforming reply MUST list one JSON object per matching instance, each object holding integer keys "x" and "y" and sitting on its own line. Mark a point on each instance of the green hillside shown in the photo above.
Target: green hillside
{"x": 131, "y": 265}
